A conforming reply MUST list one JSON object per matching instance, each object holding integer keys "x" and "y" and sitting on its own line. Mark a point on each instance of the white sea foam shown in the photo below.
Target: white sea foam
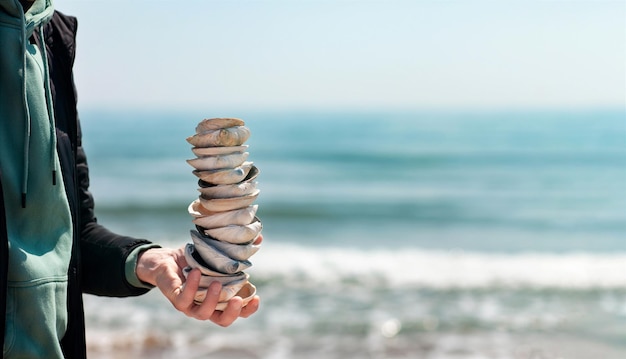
{"x": 442, "y": 269}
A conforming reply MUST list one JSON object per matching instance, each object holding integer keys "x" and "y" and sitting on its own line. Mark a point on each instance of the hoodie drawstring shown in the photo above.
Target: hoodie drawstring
{"x": 27, "y": 122}
{"x": 53, "y": 137}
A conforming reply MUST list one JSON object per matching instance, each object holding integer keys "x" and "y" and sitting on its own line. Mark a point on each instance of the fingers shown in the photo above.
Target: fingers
{"x": 251, "y": 307}
{"x": 182, "y": 297}
{"x": 168, "y": 277}
{"x": 184, "y": 300}
{"x": 179, "y": 255}
{"x": 169, "y": 283}
{"x": 230, "y": 314}
{"x": 235, "y": 310}
{"x": 206, "y": 309}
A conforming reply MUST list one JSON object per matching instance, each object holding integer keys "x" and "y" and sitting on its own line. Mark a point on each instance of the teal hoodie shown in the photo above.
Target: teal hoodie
{"x": 38, "y": 216}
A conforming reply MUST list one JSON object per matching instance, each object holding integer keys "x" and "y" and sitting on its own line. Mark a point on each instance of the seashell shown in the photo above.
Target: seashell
{"x": 246, "y": 293}
{"x": 236, "y": 234}
{"x": 228, "y": 291}
{"x": 194, "y": 260}
{"x": 196, "y": 210}
{"x": 252, "y": 174}
{"x": 211, "y": 124}
{"x": 230, "y": 285}
{"x": 231, "y": 160}
{"x": 240, "y": 252}
{"x": 213, "y": 151}
{"x": 216, "y": 259}
{"x": 225, "y": 175}
{"x": 220, "y": 219}
{"x": 206, "y": 280}
{"x": 228, "y": 204}
{"x": 228, "y": 190}
{"x": 223, "y": 137}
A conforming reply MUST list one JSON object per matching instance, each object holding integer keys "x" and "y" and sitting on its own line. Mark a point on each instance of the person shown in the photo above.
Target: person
{"x": 52, "y": 247}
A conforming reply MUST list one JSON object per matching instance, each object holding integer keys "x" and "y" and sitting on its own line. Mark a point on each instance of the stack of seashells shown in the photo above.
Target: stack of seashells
{"x": 227, "y": 230}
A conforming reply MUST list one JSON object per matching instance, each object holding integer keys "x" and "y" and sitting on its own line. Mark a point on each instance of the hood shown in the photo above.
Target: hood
{"x": 18, "y": 104}
{"x": 40, "y": 13}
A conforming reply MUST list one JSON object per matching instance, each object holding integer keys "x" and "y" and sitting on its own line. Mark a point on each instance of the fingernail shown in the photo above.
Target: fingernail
{"x": 215, "y": 288}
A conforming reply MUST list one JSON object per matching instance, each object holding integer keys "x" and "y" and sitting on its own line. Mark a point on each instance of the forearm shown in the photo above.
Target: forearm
{"x": 104, "y": 260}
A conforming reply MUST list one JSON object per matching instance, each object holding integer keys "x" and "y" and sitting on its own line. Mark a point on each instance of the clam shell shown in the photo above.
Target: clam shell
{"x": 229, "y": 190}
{"x": 252, "y": 175}
{"x": 212, "y": 151}
{"x": 225, "y": 175}
{"x": 223, "y": 137}
{"x": 211, "y": 124}
{"x": 228, "y": 291}
{"x": 196, "y": 210}
{"x": 246, "y": 293}
{"x": 240, "y": 252}
{"x": 228, "y": 204}
{"x": 220, "y": 219}
{"x": 216, "y": 259}
{"x": 230, "y": 160}
{"x": 236, "y": 234}
{"x": 206, "y": 280}
{"x": 230, "y": 285}
{"x": 194, "y": 260}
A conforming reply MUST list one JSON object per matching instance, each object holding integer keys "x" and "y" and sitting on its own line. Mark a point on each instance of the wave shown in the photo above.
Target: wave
{"x": 409, "y": 212}
{"x": 438, "y": 269}
{"x": 460, "y": 159}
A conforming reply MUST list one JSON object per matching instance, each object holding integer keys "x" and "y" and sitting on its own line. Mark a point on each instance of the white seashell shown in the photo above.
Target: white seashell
{"x": 220, "y": 219}
{"x": 228, "y": 190}
{"x": 236, "y": 234}
{"x": 206, "y": 280}
{"x": 252, "y": 174}
{"x": 230, "y": 160}
{"x": 230, "y": 285}
{"x": 196, "y": 210}
{"x": 194, "y": 260}
{"x": 223, "y": 137}
{"x": 213, "y": 151}
{"x": 228, "y": 204}
{"x": 240, "y": 252}
{"x": 246, "y": 293}
{"x": 216, "y": 259}
{"x": 225, "y": 175}
{"x": 211, "y": 124}
{"x": 228, "y": 291}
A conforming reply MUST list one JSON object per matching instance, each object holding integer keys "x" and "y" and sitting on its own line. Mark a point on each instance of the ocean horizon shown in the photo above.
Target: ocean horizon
{"x": 388, "y": 234}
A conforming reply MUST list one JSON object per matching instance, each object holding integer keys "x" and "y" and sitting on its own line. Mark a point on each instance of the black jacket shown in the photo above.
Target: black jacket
{"x": 98, "y": 255}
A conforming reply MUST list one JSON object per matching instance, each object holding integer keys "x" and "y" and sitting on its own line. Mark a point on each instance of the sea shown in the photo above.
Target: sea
{"x": 439, "y": 234}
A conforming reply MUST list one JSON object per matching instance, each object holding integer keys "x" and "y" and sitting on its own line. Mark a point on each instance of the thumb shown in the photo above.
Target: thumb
{"x": 170, "y": 284}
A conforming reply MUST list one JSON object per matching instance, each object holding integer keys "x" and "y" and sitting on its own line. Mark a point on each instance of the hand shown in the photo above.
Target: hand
{"x": 162, "y": 267}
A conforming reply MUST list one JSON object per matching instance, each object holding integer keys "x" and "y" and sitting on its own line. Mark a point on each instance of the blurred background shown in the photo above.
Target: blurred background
{"x": 439, "y": 179}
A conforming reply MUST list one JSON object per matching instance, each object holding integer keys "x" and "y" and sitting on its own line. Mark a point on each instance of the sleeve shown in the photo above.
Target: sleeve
{"x": 103, "y": 254}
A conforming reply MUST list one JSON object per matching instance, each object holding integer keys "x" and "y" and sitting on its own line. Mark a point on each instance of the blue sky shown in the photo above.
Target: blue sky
{"x": 299, "y": 54}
